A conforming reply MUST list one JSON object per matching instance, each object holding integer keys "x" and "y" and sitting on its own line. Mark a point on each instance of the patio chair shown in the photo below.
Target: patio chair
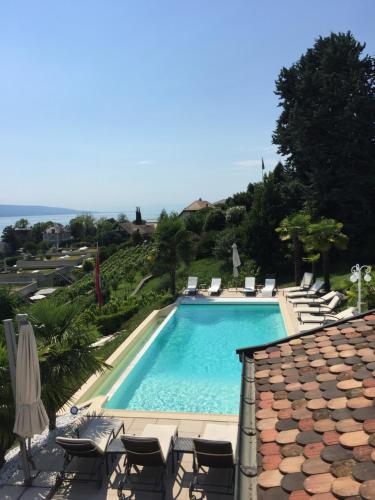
{"x": 320, "y": 308}
{"x": 305, "y": 284}
{"x": 327, "y": 318}
{"x": 215, "y": 286}
{"x": 313, "y": 300}
{"x": 216, "y": 449}
{"x": 269, "y": 287}
{"x": 192, "y": 285}
{"x": 312, "y": 291}
{"x": 151, "y": 449}
{"x": 249, "y": 285}
{"x": 90, "y": 442}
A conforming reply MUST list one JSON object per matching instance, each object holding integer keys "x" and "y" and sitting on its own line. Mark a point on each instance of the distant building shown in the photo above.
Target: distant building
{"x": 56, "y": 234}
{"x": 144, "y": 230}
{"x": 195, "y": 207}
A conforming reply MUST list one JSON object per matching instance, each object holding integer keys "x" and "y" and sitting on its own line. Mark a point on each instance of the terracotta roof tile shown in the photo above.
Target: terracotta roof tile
{"x": 316, "y": 414}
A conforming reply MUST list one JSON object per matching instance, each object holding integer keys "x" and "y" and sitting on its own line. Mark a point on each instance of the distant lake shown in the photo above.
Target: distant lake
{"x": 147, "y": 213}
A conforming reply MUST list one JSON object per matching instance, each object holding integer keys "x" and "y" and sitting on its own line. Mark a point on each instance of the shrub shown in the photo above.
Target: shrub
{"x": 235, "y": 215}
{"x": 111, "y": 322}
{"x": 215, "y": 220}
{"x": 88, "y": 265}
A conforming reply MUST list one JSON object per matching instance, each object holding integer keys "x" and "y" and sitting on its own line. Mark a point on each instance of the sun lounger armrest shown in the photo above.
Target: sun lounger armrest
{"x": 115, "y": 432}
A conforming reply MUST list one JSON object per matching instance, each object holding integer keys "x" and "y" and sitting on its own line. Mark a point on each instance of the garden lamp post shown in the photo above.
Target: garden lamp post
{"x": 356, "y": 276}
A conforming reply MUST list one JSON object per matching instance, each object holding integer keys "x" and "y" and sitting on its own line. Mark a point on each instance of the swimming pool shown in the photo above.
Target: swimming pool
{"x": 192, "y": 365}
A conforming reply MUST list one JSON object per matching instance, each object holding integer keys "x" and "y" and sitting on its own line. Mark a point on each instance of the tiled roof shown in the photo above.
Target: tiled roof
{"x": 198, "y": 205}
{"x": 315, "y": 414}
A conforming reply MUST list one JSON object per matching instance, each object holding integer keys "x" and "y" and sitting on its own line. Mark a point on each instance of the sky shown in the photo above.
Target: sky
{"x": 115, "y": 103}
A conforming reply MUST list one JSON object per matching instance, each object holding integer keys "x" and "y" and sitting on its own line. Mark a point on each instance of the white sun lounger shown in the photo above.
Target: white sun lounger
{"x": 327, "y": 318}
{"x": 320, "y": 308}
{"x": 313, "y": 300}
{"x": 269, "y": 286}
{"x": 192, "y": 285}
{"x": 249, "y": 285}
{"x": 305, "y": 283}
{"x": 313, "y": 290}
{"x": 215, "y": 286}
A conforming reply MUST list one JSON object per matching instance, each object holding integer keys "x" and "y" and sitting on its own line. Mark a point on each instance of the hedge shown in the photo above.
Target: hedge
{"x": 111, "y": 322}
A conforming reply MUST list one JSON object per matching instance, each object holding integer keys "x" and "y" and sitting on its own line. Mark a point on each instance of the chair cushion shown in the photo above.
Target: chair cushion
{"x": 163, "y": 433}
{"x": 222, "y": 432}
{"x": 98, "y": 429}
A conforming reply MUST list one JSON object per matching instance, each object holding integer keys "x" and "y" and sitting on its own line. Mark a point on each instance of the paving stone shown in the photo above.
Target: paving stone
{"x": 282, "y": 404}
{"x": 306, "y": 424}
{"x": 360, "y": 402}
{"x": 318, "y": 483}
{"x": 316, "y": 404}
{"x": 270, "y": 449}
{"x": 284, "y": 414}
{"x": 349, "y": 384}
{"x": 268, "y": 435}
{"x": 322, "y": 414}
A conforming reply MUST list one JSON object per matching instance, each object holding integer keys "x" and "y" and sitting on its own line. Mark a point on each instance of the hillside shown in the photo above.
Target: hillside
{"x": 25, "y": 210}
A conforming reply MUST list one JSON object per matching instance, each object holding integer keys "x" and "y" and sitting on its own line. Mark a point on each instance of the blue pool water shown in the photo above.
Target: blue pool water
{"x": 192, "y": 365}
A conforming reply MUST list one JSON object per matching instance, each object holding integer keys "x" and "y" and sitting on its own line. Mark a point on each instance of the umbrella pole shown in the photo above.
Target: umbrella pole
{"x": 10, "y": 339}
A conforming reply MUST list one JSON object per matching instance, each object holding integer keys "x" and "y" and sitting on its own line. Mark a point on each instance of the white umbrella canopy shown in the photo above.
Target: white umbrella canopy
{"x": 31, "y": 416}
{"x": 236, "y": 260}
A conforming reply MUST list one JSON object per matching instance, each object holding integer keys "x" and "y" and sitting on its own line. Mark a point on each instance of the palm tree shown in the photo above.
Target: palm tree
{"x": 293, "y": 229}
{"x": 322, "y": 236}
{"x": 66, "y": 356}
{"x": 172, "y": 246}
{"x": 7, "y": 408}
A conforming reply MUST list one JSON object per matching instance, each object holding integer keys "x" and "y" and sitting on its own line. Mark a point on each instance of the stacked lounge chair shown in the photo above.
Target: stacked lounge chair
{"x": 249, "y": 285}
{"x": 192, "y": 285}
{"x": 320, "y": 308}
{"x": 314, "y": 300}
{"x": 269, "y": 287}
{"x": 312, "y": 291}
{"x": 327, "y": 318}
{"x": 305, "y": 284}
{"x": 215, "y": 286}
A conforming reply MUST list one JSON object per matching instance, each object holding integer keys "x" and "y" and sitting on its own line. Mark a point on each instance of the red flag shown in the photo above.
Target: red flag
{"x": 98, "y": 284}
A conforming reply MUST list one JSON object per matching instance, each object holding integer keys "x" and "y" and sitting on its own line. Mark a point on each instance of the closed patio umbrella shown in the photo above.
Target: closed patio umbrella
{"x": 31, "y": 416}
{"x": 236, "y": 260}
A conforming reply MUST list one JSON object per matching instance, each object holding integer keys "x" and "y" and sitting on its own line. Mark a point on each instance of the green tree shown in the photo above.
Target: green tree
{"x": 83, "y": 228}
{"x": 9, "y": 236}
{"x": 21, "y": 224}
{"x": 326, "y": 132}
{"x": 138, "y": 217}
{"x": 7, "y": 304}
{"x": 215, "y": 220}
{"x": 172, "y": 246}
{"x": 322, "y": 237}
{"x": 121, "y": 218}
{"x": 234, "y": 215}
{"x": 7, "y": 408}
{"x": 293, "y": 229}
{"x": 66, "y": 356}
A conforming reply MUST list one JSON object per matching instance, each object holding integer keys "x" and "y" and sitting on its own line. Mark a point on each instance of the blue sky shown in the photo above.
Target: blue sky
{"x": 106, "y": 105}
